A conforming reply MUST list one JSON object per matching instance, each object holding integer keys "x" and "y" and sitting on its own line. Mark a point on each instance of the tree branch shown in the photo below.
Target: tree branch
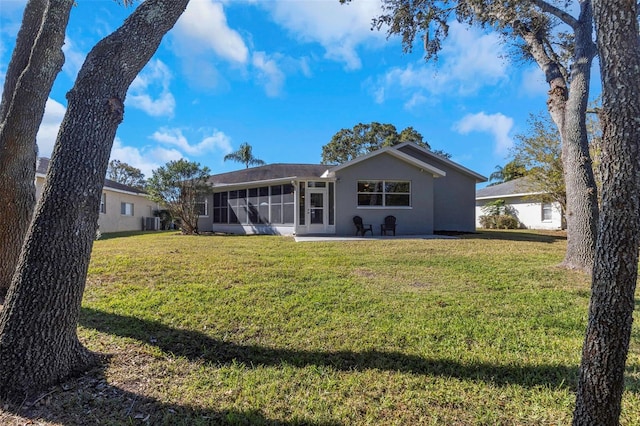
{"x": 557, "y": 12}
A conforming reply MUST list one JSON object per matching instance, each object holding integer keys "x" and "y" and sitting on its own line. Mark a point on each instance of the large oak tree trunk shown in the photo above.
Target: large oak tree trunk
{"x": 601, "y": 381}
{"x": 36, "y": 61}
{"x": 569, "y": 114}
{"x": 38, "y": 341}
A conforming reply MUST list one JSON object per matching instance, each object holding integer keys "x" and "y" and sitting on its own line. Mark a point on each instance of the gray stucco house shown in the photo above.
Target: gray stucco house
{"x": 425, "y": 192}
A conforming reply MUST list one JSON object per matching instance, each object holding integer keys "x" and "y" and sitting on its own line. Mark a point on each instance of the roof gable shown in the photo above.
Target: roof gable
{"x": 394, "y": 151}
{"x": 407, "y": 147}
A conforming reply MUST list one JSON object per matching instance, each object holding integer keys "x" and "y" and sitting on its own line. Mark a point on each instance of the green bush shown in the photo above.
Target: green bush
{"x": 499, "y": 221}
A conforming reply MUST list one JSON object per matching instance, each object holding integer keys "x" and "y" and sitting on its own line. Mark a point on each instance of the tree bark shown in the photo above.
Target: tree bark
{"x": 601, "y": 380}
{"x": 580, "y": 185}
{"x": 36, "y": 61}
{"x": 38, "y": 340}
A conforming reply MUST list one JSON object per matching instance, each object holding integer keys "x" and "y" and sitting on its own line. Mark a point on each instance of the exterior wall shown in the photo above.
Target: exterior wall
{"x": 113, "y": 220}
{"x": 453, "y": 196}
{"x": 528, "y": 212}
{"x": 416, "y": 219}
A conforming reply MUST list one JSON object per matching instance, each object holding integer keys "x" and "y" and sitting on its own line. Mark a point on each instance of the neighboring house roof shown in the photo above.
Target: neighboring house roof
{"x": 513, "y": 188}
{"x": 43, "y": 165}
{"x": 269, "y": 172}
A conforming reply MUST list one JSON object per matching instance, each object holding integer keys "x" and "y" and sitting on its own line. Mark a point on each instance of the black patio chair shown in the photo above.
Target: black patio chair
{"x": 360, "y": 227}
{"x": 388, "y": 225}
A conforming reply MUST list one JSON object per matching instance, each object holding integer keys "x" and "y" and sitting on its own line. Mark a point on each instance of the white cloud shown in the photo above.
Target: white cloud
{"x": 73, "y": 58}
{"x": 146, "y": 159}
{"x": 498, "y": 125}
{"x": 269, "y": 73}
{"x": 469, "y": 60}
{"x": 203, "y": 27}
{"x": 156, "y": 75}
{"x": 216, "y": 141}
{"x": 202, "y": 38}
{"x": 340, "y": 29}
{"x": 48, "y": 132}
{"x": 533, "y": 82}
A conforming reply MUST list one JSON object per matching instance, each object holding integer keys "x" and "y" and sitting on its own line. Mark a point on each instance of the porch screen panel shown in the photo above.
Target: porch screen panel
{"x": 233, "y": 206}
{"x": 275, "y": 203}
{"x": 263, "y": 206}
{"x": 288, "y": 204}
{"x": 301, "y": 204}
{"x": 252, "y": 205}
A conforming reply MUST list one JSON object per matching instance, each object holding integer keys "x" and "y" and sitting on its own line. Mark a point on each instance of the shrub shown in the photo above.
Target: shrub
{"x": 499, "y": 221}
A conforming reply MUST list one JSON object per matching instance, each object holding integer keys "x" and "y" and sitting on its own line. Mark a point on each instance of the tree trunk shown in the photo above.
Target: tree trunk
{"x": 601, "y": 381}
{"x": 567, "y": 106}
{"x": 38, "y": 341}
{"x": 581, "y": 213}
{"x": 36, "y": 61}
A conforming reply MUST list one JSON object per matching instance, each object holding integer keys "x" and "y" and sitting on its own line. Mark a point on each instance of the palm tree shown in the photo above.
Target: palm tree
{"x": 244, "y": 156}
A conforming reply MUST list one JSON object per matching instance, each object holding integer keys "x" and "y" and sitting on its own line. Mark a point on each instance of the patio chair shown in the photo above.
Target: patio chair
{"x": 360, "y": 227}
{"x": 388, "y": 225}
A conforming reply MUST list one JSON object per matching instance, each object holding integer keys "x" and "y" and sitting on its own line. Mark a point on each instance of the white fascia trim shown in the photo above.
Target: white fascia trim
{"x": 290, "y": 179}
{"x": 523, "y": 194}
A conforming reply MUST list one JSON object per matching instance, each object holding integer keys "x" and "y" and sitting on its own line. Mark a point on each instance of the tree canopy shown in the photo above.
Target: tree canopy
{"x": 126, "y": 174}
{"x": 348, "y": 144}
{"x": 179, "y": 186}
{"x": 245, "y": 156}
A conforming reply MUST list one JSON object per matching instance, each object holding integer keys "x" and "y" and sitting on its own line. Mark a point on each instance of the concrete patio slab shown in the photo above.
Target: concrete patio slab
{"x": 312, "y": 238}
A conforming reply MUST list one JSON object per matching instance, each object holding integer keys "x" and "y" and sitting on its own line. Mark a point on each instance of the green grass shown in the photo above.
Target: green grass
{"x": 481, "y": 330}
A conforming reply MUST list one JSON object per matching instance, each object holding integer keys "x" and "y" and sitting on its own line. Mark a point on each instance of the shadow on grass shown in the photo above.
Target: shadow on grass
{"x": 197, "y": 346}
{"x": 90, "y": 399}
{"x": 517, "y": 235}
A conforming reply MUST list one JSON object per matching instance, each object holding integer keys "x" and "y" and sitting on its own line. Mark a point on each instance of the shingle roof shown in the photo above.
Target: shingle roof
{"x": 43, "y": 165}
{"x": 269, "y": 172}
{"x": 518, "y": 186}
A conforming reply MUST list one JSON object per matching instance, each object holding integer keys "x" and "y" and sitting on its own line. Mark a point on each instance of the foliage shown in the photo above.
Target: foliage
{"x": 348, "y": 144}
{"x": 479, "y": 330}
{"x": 177, "y": 186}
{"x": 245, "y": 156}
{"x": 126, "y": 174}
{"x": 498, "y": 215}
{"x": 499, "y": 221}
{"x": 540, "y": 151}
{"x": 512, "y": 170}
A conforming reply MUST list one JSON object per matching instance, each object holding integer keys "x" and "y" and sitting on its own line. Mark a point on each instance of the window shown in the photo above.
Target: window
{"x": 383, "y": 193}
{"x": 546, "y": 212}
{"x": 202, "y": 206}
{"x": 126, "y": 209}
{"x": 103, "y": 203}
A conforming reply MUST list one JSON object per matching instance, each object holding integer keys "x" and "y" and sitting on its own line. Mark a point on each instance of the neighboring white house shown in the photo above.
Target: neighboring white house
{"x": 122, "y": 207}
{"x": 525, "y": 205}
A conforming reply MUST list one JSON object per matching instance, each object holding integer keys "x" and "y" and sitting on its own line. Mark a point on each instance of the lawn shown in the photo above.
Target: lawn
{"x": 480, "y": 330}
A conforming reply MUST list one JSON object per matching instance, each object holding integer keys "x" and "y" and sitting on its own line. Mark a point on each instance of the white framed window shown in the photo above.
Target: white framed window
{"x": 202, "y": 206}
{"x": 384, "y": 193}
{"x": 103, "y": 203}
{"x": 547, "y": 212}
{"x": 126, "y": 209}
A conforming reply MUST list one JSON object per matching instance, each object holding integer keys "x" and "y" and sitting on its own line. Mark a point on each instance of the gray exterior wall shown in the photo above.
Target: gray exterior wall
{"x": 417, "y": 219}
{"x": 454, "y": 196}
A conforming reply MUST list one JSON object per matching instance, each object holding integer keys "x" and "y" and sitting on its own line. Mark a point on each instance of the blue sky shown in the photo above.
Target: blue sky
{"x": 286, "y": 75}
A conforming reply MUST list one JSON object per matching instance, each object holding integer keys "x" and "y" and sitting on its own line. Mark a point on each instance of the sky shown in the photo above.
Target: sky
{"x": 286, "y": 75}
